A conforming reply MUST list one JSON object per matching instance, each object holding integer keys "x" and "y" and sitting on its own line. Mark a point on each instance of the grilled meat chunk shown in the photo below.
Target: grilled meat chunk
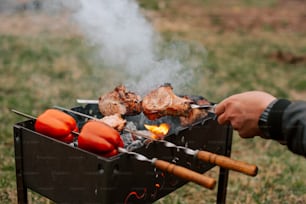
{"x": 120, "y": 101}
{"x": 195, "y": 114}
{"x": 115, "y": 121}
{"x": 163, "y": 101}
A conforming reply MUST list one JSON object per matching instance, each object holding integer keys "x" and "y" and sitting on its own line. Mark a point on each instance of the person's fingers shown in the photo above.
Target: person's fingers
{"x": 222, "y": 119}
{"x": 245, "y": 133}
{"x": 220, "y": 108}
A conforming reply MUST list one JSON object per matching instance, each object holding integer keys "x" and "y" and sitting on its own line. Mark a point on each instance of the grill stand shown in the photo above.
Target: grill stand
{"x": 223, "y": 173}
{"x": 21, "y": 176}
{"x": 22, "y": 193}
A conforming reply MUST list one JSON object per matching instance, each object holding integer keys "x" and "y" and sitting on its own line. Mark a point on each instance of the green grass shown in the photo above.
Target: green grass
{"x": 40, "y": 71}
{"x": 161, "y": 4}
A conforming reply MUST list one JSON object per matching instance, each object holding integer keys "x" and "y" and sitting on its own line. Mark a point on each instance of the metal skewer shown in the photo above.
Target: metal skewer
{"x": 23, "y": 114}
{"x": 77, "y": 113}
{"x": 208, "y": 107}
{"x": 86, "y": 101}
{"x": 211, "y": 158}
{"x": 176, "y": 170}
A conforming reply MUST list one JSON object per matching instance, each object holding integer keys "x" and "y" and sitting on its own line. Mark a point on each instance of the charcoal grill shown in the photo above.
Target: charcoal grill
{"x": 65, "y": 173}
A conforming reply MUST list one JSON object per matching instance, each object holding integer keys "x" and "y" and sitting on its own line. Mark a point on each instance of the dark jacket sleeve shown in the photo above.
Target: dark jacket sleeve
{"x": 287, "y": 122}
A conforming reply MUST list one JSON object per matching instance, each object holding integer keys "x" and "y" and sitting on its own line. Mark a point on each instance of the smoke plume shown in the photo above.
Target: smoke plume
{"x": 127, "y": 41}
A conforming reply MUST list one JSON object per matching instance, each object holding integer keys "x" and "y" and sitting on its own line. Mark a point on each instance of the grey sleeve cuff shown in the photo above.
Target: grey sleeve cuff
{"x": 263, "y": 120}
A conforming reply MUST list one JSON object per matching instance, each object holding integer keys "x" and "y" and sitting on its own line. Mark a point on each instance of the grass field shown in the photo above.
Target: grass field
{"x": 248, "y": 45}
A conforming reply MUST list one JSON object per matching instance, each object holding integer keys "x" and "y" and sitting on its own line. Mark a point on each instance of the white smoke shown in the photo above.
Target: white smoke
{"x": 118, "y": 28}
{"x": 128, "y": 42}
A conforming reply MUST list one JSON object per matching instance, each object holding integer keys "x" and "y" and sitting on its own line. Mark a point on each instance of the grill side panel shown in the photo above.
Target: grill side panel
{"x": 67, "y": 174}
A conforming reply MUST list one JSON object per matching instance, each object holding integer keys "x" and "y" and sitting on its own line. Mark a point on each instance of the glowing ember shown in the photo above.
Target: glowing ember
{"x": 159, "y": 131}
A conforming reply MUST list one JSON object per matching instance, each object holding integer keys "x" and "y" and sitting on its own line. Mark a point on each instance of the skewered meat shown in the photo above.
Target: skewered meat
{"x": 120, "y": 101}
{"x": 163, "y": 101}
{"x": 195, "y": 114}
{"x": 115, "y": 121}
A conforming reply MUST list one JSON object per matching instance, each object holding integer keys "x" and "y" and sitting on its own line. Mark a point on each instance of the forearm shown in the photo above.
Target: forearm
{"x": 287, "y": 124}
{"x": 294, "y": 127}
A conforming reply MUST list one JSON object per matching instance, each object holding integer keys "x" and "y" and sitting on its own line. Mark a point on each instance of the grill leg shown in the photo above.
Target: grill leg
{"x": 22, "y": 193}
{"x": 223, "y": 173}
{"x": 222, "y": 186}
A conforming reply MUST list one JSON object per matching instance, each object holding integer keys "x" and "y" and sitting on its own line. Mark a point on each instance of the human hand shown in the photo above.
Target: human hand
{"x": 243, "y": 110}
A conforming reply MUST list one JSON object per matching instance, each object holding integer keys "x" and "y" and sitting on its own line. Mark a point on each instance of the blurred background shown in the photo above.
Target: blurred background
{"x": 53, "y": 52}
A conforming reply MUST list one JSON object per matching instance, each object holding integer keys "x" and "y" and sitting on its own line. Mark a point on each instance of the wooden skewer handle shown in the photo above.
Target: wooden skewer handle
{"x": 228, "y": 163}
{"x": 185, "y": 173}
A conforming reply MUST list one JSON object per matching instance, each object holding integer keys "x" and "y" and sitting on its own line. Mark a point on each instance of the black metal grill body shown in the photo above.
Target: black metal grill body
{"x": 67, "y": 174}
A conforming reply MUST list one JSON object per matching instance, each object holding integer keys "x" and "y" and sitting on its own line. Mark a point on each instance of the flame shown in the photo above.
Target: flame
{"x": 158, "y": 131}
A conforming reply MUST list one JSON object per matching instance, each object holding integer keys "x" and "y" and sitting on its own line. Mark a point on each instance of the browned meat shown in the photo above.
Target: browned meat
{"x": 120, "y": 101}
{"x": 115, "y": 121}
{"x": 162, "y": 101}
{"x": 194, "y": 114}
